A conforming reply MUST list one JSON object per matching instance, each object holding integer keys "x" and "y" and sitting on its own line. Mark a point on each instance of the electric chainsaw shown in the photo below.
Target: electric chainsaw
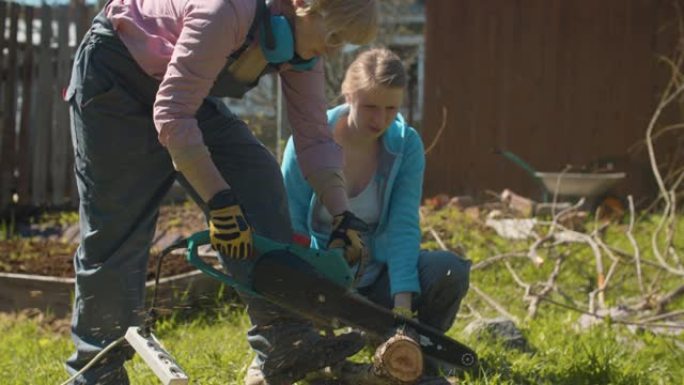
{"x": 318, "y": 285}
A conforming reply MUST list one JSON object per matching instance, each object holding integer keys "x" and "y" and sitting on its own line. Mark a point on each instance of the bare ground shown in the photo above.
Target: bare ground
{"x": 48, "y": 246}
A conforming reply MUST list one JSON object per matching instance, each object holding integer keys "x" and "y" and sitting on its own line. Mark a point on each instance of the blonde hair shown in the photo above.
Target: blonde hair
{"x": 372, "y": 68}
{"x": 346, "y": 21}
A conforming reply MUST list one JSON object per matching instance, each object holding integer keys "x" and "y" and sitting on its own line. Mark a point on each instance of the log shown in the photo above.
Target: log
{"x": 399, "y": 359}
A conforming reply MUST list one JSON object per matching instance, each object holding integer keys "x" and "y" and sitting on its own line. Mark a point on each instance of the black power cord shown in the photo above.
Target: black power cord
{"x": 151, "y": 316}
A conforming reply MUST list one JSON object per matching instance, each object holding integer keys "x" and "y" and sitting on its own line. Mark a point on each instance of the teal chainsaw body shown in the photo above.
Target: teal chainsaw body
{"x": 330, "y": 263}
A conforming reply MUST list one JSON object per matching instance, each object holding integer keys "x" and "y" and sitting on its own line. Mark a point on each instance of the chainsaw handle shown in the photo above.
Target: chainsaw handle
{"x": 202, "y": 238}
{"x": 330, "y": 263}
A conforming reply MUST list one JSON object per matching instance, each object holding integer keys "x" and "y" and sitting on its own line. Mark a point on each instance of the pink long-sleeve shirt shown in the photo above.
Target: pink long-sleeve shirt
{"x": 186, "y": 43}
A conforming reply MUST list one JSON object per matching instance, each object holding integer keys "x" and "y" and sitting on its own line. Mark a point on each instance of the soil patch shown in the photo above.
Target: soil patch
{"x": 52, "y": 255}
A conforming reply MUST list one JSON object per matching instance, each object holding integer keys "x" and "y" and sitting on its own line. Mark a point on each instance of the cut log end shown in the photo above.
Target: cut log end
{"x": 399, "y": 359}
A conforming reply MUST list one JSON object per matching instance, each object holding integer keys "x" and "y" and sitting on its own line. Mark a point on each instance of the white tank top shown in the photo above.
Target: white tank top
{"x": 366, "y": 206}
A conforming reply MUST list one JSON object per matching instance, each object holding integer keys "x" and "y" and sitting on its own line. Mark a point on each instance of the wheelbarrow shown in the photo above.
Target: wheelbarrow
{"x": 593, "y": 187}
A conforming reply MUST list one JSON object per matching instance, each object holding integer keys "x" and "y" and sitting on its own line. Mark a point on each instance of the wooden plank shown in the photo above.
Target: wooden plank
{"x": 43, "y": 114}
{"x": 60, "y": 142}
{"x": 82, "y": 17}
{"x": 24, "y": 291}
{"x": 28, "y": 291}
{"x": 8, "y": 159}
{"x": 3, "y": 19}
{"x": 25, "y": 150}
{"x": 72, "y": 186}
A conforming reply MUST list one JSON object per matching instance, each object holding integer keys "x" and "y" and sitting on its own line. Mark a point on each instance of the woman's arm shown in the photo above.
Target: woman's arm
{"x": 402, "y": 235}
{"x": 319, "y": 157}
{"x": 211, "y": 31}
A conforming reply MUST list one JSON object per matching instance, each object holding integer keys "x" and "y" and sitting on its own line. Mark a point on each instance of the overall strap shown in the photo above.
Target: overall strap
{"x": 259, "y": 15}
{"x": 226, "y": 84}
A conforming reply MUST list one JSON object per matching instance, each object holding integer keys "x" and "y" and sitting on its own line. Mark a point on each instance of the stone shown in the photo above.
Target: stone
{"x": 500, "y": 328}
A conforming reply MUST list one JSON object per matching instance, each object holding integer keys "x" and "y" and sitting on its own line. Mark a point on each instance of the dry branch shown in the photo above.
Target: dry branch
{"x": 546, "y": 289}
{"x": 635, "y": 246}
{"x": 439, "y": 132}
{"x": 498, "y": 307}
{"x": 438, "y": 239}
{"x": 497, "y": 258}
{"x": 673, "y": 90}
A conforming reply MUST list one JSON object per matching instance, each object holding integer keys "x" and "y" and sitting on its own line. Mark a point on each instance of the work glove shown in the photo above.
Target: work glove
{"x": 404, "y": 312}
{"x": 229, "y": 231}
{"x": 346, "y": 234}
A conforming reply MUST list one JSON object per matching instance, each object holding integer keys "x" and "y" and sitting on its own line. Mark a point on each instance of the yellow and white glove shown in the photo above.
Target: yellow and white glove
{"x": 346, "y": 233}
{"x": 402, "y": 305}
{"x": 230, "y": 233}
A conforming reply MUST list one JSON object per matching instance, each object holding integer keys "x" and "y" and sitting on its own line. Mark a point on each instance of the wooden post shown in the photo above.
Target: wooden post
{"x": 81, "y": 18}
{"x": 60, "y": 128}
{"x": 24, "y": 182}
{"x": 3, "y": 16}
{"x": 3, "y": 19}
{"x": 8, "y": 156}
{"x": 43, "y": 121}
{"x": 72, "y": 192}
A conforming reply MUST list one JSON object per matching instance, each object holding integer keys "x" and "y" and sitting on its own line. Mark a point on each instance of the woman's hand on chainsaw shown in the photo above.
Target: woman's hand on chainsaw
{"x": 403, "y": 304}
{"x": 230, "y": 233}
{"x": 347, "y": 230}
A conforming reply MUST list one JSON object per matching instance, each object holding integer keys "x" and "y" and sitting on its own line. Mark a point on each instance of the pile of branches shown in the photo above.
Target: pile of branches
{"x": 650, "y": 309}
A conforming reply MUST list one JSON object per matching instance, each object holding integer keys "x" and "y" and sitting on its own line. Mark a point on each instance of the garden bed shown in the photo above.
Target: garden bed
{"x": 36, "y": 265}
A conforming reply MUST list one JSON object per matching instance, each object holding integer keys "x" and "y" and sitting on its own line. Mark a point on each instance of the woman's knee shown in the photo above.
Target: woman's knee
{"x": 449, "y": 268}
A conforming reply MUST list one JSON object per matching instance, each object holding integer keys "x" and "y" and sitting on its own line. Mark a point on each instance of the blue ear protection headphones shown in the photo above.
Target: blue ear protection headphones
{"x": 276, "y": 39}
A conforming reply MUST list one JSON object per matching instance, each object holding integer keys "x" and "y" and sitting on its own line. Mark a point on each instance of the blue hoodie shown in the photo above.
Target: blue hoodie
{"x": 396, "y": 239}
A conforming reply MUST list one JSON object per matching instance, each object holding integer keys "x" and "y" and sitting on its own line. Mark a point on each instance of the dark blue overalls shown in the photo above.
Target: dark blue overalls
{"x": 123, "y": 172}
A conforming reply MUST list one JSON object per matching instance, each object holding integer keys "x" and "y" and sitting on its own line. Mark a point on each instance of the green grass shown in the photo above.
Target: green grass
{"x": 560, "y": 355}
{"x": 213, "y": 350}
{"x": 211, "y": 345}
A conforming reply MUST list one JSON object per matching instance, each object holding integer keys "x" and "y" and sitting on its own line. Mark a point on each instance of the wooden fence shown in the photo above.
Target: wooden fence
{"x": 36, "y": 157}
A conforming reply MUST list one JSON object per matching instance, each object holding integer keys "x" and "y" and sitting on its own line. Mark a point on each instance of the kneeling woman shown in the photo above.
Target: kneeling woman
{"x": 384, "y": 166}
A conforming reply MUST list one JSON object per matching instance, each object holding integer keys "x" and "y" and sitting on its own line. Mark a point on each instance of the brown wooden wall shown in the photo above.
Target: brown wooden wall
{"x": 555, "y": 81}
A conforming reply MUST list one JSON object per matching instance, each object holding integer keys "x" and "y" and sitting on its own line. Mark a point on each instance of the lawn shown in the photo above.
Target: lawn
{"x": 632, "y": 347}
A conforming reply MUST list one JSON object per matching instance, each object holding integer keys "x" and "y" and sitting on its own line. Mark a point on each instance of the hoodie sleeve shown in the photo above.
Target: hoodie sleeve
{"x": 306, "y": 109}
{"x": 212, "y": 29}
{"x": 403, "y": 224}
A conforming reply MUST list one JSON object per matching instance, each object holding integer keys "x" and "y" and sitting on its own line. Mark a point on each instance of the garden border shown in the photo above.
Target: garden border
{"x": 55, "y": 294}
